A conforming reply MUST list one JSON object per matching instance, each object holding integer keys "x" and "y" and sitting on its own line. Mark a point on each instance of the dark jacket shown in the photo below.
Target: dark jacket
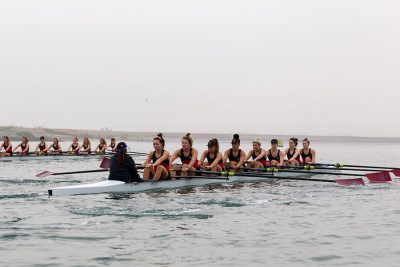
{"x": 123, "y": 171}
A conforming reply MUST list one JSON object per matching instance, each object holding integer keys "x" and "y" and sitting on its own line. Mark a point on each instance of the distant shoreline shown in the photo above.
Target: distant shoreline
{"x": 33, "y": 134}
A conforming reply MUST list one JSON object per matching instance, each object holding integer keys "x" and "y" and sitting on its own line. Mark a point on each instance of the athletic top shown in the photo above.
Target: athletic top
{"x": 188, "y": 159}
{"x": 154, "y": 158}
{"x": 254, "y": 156}
{"x": 232, "y": 158}
{"x": 42, "y": 146}
{"x": 276, "y": 158}
{"x": 9, "y": 150}
{"x": 304, "y": 156}
{"x": 101, "y": 147}
{"x": 211, "y": 160}
{"x": 112, "y": 146}
{"x": 55, "y": 147}
{"x": 289, "y": 156}
{"x": 23, "y": 147}
{"x": 86, "y": 147}
{"x": 74, "y": 146}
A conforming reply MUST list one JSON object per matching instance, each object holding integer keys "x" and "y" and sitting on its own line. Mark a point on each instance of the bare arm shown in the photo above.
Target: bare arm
{"x": 249, "y": 155}
{"x": 26, "y": 148}
{"x": 282, "y": 158}
{"x": 296, "y": 154}
{"x": 226, "y": 156}
{"x": 148, "y": 159}
{"x": 216, "y": 161}
{"x": 195, "y": 154}
{"x": 16, "y": 147}
{"x": 203, "y": 158}
{"x": 174, "y": 156}
{"x": 262, "y": 154}
{"x": 242, "y": 158}
{"x": 313, "y": 156}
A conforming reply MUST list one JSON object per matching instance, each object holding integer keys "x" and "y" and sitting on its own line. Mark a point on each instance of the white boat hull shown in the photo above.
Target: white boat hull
{"x": 110, "y": 186}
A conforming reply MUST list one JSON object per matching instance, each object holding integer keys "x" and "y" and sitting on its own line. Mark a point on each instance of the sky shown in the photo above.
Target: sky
{"x": 214, "y": 66}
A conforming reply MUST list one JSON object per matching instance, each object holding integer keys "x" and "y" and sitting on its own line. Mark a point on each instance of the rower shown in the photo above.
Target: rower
{"x": 24, "y": 146}
{"x": 214, "y": 158}
{"x": 275, "y": 156}
{"x": 6, "y": 147}
{"x": 293, "y": 153}
{"x": 157, "y": 163}
{"x": 101, "y": 148}
{"x": 188, "y": 156}
{"x": 86, "y": 148}
{"x": 55, "y": 148}
{"x": 235, "y": 155}
{"x": 258, "y": 156}
{"x": 112, "y": 145}
{"x": 122, "y": 166}
{"x": 42, "y": 147}
{"x": 74, "y": 147}
{"x": 307, "y": 153}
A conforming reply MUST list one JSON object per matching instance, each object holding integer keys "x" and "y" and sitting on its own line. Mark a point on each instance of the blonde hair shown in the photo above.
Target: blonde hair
{"x": 257, "y": 141}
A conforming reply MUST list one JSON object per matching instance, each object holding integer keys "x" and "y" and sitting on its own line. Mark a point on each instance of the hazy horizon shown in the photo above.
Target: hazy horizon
{"x": 324, "y": 68}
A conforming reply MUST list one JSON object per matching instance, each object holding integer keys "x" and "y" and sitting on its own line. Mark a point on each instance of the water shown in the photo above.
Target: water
{"x": 288, "y": 224}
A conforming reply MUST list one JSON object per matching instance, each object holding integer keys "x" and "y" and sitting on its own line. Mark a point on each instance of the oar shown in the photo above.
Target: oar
{"x": 340, "y": 165}
{"x": 347, "y": 182}
{"x": 311, "y": 167}
{"x": 47, "y": 173}
{"x": 377, "y": 177}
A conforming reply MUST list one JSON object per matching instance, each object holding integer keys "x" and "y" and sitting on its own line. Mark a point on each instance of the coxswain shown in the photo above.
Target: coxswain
{"x": 102, "y": 146}
{"x": 55, "y": 148}
{"x": 214, "y": 158}
{"x": 293, "y": 153}
{"x": 258, "y": 156}
{"x": 157, "y": 164}
{"x": 112, "y": 145}
{"x": 23, "y": 146}
{"x": 42, "y": 147}
{"x": 235, "y": 155}
{"x": 86, "y": 148}
{"x": 122, "y": 166}
{"x": 274, "y": 155}
{"x": 188, "y": 156}
{"x": 307, "y": 154}
{"x": 6, "y": 147}
{"x": 74, "y": 147}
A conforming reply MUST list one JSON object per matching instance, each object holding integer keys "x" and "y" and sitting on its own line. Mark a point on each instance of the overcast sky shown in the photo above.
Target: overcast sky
{"x": 270, "y": 67}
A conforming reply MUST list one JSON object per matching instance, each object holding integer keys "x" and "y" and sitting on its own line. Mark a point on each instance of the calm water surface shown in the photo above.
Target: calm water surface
{"x": 287, "y": 224}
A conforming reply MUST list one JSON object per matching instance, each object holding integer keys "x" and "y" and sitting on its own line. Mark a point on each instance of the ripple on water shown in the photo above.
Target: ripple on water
{"x": 222, "y": 203}
{"x": 13, "y": 196}
{"x": 13, "y": 236}
{"x": 131, "y": 213}
{"x": 325, "y": 258}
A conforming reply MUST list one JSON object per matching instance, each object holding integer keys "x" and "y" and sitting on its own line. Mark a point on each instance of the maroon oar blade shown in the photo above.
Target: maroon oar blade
{"x": 44, "y": 174}
{"x": 348, "y": 182}
{"x": 396, "y": 172}
{"x": 105, "y": 163}
{"x": 379, "y": 177}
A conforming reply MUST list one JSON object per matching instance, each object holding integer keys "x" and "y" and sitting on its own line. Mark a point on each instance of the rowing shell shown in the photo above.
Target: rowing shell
{"x": 110, "y": 186}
